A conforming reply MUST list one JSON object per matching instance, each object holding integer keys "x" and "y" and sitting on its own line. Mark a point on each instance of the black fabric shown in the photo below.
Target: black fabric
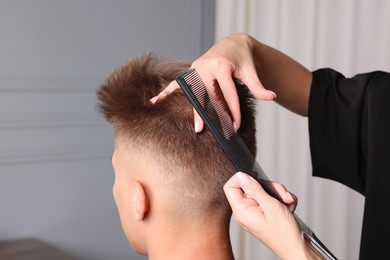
{"x": 349, "y": 126}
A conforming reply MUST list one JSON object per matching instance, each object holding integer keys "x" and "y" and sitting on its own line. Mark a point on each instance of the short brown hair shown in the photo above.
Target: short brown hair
{"x": 195, "y": 162}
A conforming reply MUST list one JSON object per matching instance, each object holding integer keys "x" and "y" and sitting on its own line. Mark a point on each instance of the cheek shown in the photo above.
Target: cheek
{"x": 122, "y": 196}
{"x": 121, "y": 206}
{"x": 115, "y": 192}
{"x": 117, "y": 189}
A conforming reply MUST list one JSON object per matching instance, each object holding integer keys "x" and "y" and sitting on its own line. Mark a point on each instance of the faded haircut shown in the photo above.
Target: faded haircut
{"x": 194, "y": 163}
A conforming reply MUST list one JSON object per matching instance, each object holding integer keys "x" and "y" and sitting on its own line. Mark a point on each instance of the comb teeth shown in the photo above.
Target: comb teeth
{"x": 217, "y": 118}
{"x": 219, "y": 122}
{"x": 210, "y": 104}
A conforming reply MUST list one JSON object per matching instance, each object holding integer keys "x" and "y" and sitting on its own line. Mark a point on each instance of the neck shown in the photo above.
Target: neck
{"x": 196, "y": 241}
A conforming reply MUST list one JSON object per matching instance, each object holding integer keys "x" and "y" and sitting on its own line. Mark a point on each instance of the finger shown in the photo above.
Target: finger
{"x": 236, "y": 196}
{"x": 168, "y": 90}
{"x": 254, "y": 190}
{"x": 199, "y": 124}
{"x": 251, "y": 80}
{"x": 209, "y": 80}
{"x": 233, "y": 191}
{"x": 292, "y": 207}
{"x": 283, "y": 193}
{"x": 289, "y": 199}
{"x": 230, "y": 94}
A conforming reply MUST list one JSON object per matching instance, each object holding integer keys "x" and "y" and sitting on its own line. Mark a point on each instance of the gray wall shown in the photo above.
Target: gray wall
{"x": 55, "y": 150}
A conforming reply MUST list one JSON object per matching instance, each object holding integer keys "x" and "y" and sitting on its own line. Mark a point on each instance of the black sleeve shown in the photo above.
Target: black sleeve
{"x": 339, "y": 124}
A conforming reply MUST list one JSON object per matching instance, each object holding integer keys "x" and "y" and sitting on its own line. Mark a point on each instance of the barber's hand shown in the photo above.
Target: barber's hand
{"x": 232, "y": 57}
{"x": 266, "y": 218}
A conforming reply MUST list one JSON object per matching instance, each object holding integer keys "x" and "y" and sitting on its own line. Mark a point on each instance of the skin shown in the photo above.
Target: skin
{"x": 270, "y": 75}
{"x": 129, "y": 196}
{"x": 266, "y": 218}
{"x": 152, "y": 218}
{"x": 151, "y": 215}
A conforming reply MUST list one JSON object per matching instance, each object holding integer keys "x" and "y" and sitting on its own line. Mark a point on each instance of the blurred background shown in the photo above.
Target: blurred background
{"x": 351, "y": 36}
{"x": 55, "y": 149}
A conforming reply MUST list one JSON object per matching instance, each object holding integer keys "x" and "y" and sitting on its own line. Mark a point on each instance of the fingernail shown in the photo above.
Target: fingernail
{"x": 243, "y": 178}
{"x": 273, "y": 93}
{"x": 153, "y": 100}
{"x": 234, "y": 127}
{"x": 289, "y": 196}
{"x": 197, "y": 127}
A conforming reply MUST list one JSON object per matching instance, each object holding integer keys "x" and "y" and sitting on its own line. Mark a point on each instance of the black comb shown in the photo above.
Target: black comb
{"x": 218, "y": 120}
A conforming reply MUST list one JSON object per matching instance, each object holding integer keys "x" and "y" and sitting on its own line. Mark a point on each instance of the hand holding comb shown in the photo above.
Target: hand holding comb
{"x": 219, "y": 123}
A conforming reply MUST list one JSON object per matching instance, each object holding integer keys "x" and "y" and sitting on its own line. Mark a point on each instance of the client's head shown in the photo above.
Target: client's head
{"x": 166, "y": 175}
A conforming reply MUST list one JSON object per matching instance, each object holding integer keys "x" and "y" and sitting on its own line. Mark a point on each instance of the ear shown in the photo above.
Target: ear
{"x": 141, "y": 201}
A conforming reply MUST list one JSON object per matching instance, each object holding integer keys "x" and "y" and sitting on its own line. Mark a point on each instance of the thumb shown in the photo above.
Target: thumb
{"x": 253, "y": 189}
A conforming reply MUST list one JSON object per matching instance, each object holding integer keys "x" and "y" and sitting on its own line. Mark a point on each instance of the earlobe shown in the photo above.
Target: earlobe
{"x": 141, "y": 201}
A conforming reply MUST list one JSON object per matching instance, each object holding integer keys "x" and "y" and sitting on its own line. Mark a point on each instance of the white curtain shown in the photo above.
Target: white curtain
{"x": 351, "y": 36}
